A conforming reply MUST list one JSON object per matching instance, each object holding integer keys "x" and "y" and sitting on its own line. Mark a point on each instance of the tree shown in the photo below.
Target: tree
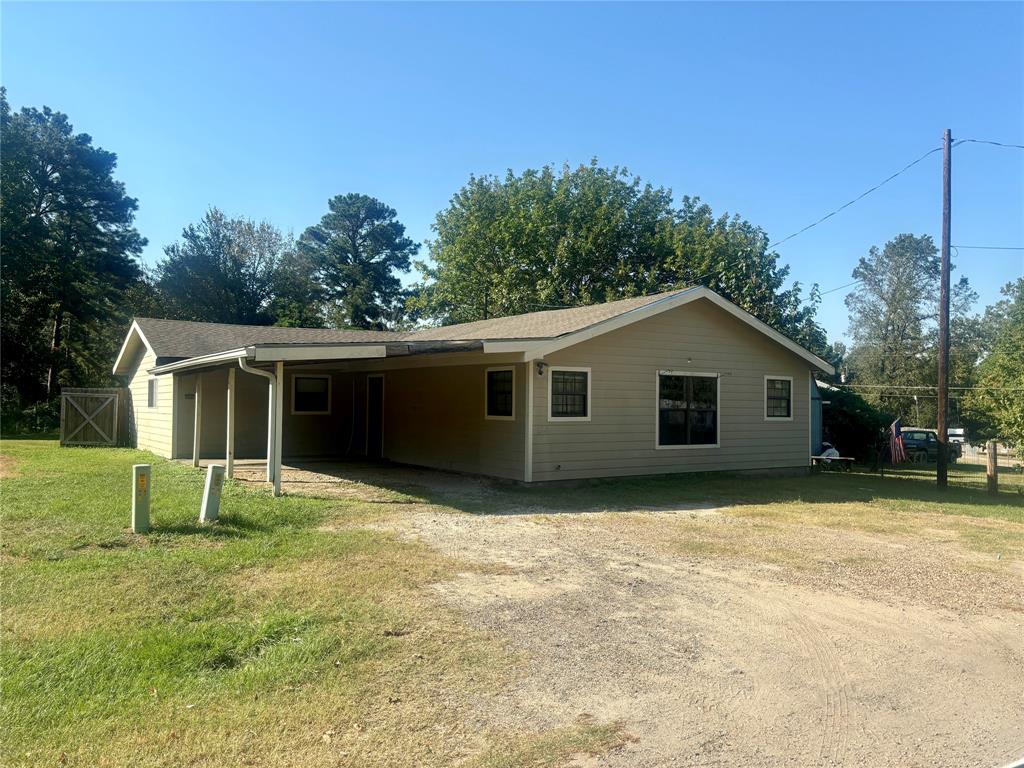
{"x": 893, "y": 325}
{"x": 224, "y": 270}
{"x": 297, "y": 294}
{"x": 998, "y": 400}
{"x": 356, "y": 249}
{"x": 68, "y": 252}
{"x": 589, "y": 234}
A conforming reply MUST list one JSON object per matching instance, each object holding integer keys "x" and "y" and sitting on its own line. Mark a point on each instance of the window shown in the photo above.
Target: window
{"x": 687, "y": 409}
{"x": 569, "y": 394}
{"x": 311, "y": 395}
{"x": 151, "y": 392}
{"x": 500, "y": 393}
{"x": 778, "y": 398}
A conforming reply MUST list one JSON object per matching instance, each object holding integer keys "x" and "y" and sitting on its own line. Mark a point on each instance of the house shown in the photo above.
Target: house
{"x": 675, "y": 382}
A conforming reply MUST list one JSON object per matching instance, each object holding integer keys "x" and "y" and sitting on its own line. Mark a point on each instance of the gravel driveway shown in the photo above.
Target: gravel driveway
{"x": 823, "y": 647}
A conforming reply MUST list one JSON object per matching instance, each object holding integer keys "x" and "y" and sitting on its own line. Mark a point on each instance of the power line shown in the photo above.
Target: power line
{"x": 987, "y": 141}
{"x": 991, "y": 247}
{"x": 859, "y": 197}
{"x": 927, "y": 386}
{"x": 833, "y": 290}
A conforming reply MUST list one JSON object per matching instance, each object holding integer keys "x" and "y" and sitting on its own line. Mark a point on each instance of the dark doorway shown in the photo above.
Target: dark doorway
{"x": 375, "y": 417}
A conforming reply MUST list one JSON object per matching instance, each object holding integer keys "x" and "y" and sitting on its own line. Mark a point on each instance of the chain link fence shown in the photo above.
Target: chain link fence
{"x": 970, "y": 470}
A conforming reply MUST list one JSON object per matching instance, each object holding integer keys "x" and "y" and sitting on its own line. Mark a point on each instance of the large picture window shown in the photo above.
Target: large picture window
{"x": 778, "y": 398}
{"x": 311, "y": 394}
{"x": 687, "y": 409}
{"x": 569, "y": 394}
{"x": 500, "y": 393}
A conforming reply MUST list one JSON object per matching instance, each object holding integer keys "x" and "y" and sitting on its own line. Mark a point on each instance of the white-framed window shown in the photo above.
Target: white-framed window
{"x": 568, "y": 394}
{"x": 778, "y": 398}
{"x": 500, "y": 394}
{"x": 152, "y": 391}
{"x": 311, "y": 394}
{"x": 686, "y": 409}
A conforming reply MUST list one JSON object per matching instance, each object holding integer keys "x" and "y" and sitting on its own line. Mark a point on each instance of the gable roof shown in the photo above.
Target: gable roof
{"x": 534, "y": 333}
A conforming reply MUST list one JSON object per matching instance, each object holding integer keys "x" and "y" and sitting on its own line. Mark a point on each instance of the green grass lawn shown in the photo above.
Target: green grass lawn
{"x": 284, "y": 635}
{"x": 292, "y": 633}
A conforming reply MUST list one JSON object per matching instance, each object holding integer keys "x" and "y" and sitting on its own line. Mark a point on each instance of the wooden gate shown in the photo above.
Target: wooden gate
{"x": 90, "y": 416}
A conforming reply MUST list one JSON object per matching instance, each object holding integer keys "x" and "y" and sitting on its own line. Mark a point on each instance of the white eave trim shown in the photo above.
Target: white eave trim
{"x": 199, "y": 362}
{"x": 265, "y": 353}
{"x": 536, "y": 349}
{"x": 278, "y": 353}
{"x": 135, "y": 329}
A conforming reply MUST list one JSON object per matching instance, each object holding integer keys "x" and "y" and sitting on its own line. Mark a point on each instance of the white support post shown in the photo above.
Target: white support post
{"x": 271, "y": 402}
{"x": 528, "y": 426}
{"x": 198, "y": 420}
{"x": 230, "y": 442}
{"x": 278, "y": 425}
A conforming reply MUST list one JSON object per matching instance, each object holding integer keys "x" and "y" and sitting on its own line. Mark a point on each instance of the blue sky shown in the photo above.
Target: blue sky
{"x": 778, "y": 112}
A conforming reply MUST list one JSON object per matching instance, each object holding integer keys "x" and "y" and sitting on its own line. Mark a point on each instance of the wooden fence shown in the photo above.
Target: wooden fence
{"x": 97, "y": 417}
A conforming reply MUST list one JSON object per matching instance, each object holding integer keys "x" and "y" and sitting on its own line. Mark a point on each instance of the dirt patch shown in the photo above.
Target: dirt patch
{"x": 767, "y": 645}
{"x": 8, "y": 467}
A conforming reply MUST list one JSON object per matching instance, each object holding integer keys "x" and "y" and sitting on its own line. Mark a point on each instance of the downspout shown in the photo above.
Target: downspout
{"x": 272, "y": 471}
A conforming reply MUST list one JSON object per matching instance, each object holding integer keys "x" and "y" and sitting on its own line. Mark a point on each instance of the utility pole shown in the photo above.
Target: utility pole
{"x": 942, "y": 465}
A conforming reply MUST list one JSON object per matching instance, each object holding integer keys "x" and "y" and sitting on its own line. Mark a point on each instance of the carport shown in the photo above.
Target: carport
{"x": 417, "y": 404}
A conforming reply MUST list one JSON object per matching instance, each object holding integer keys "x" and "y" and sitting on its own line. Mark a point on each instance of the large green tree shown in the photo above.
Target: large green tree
{"x": 357, "y": 249}
{"x": 547, "y": 238}
{"x": 224, "y": 270}
{"x": 997, "y": 402}
{"x": 893, "y": 322}
{"x": 67, "y": 255}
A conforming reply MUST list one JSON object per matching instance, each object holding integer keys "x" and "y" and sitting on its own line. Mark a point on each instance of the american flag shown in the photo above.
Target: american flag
{"x": 896, "y": 452}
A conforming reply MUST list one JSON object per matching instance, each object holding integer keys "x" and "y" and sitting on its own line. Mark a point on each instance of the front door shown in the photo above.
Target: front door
{"x": 375, "y": 417}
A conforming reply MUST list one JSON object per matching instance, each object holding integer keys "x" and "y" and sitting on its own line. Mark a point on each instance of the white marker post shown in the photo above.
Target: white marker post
{"x": 210, "y": 511}
{"x": 141, "y": 487}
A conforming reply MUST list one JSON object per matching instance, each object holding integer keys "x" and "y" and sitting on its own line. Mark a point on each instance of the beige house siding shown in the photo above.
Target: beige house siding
{"x": 250, "y": 415}
{"x": 620, "y": 437}
{"x": 314, "y": 436}
{"x": 434, "y": 417}
{"x": 151, "y": 428}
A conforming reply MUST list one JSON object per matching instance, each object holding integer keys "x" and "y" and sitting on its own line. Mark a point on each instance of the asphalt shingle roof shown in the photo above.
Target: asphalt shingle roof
{"x": 184, "y": 338}
{"x": 181, "y": 339}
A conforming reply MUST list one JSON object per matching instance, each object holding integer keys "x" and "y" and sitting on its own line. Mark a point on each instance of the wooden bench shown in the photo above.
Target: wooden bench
{"x": 844, "y": 463}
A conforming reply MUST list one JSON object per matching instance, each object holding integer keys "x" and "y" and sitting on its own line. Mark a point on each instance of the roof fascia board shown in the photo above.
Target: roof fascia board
{"x": 264, "y": 354}
{"x": 522, "y": 346}
{"x": 135, "y": 329}
{"x": 199, "y": 362}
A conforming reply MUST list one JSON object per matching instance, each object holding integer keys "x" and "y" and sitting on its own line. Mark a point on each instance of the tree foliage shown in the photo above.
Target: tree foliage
{"x": 67, "y": 256}
{"x": 544, "y": 239}
{"x": 998, "y": 402}
{"x": 357, "y": 249}
{"x": 224, "y": 270}
{"x": 893, "y": 325}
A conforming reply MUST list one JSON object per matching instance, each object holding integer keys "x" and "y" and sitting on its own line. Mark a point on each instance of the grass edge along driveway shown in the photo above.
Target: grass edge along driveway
{"x": 271, "y": 638}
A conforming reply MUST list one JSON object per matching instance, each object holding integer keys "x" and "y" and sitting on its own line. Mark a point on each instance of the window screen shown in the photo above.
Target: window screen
{"x": 311, "y": 394}
{"x": 687, "y": 409}
{"x": 499, "y": 393}
{"x": 569, "y": 394}
{"x": 151, "y": 391}
{"x": 779, "y": 402}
